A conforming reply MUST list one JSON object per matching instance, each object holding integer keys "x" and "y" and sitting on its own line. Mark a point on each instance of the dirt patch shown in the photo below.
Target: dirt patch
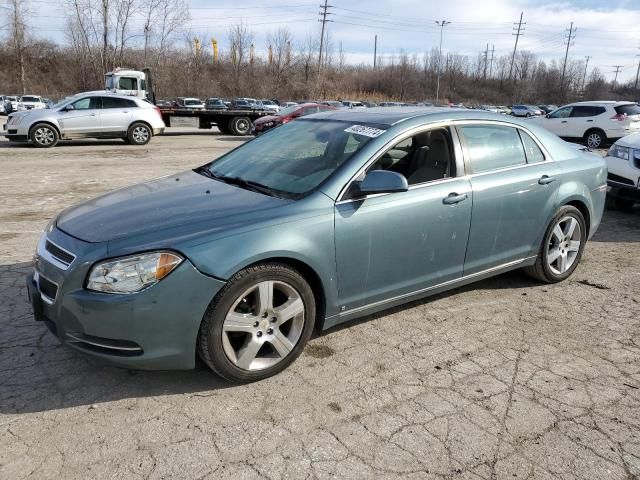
{"x": 319, "y": 351}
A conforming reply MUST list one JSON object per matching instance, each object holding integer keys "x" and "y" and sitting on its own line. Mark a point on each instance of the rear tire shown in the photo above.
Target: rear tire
{"x": 240, "y": 126}
{"x": 43, "y": 135}
{"x": 139, "y": 134}
{"x": 595, "y": 138}
{"x": 562, "y": 247}
{"x": 258, "y": 323}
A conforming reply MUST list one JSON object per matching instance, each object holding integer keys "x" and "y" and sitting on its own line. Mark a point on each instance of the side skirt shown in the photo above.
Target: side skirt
{"x": 381, "y": 305}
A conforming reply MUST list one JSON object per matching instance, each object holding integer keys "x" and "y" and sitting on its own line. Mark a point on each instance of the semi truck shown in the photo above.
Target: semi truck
{"x": 139, "y": 83}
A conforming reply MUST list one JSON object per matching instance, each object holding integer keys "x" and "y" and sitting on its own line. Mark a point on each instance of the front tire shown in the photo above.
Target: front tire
{"x": 139, "y": 134}
{"x": 43, "y": 135}
{"x": 561, "y": 248}
{"x": 258, "y": 324}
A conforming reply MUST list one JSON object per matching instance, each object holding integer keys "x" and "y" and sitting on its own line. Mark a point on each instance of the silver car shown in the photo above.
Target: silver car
{"x": 87, "y": 115}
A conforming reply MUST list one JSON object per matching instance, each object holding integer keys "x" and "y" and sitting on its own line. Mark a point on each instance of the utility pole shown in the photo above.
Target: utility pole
{"x": 375, "y": 51}
{"x": 441, "y": 24}
{"x": 618, "y": 68}
{"x": 570, "y": 37}
{"x": 486, "y": 59}
{"x": 493, "y": 48}
{"x": 517, "y": 34}
{"x": 586, "y": 65}
{"x": 323, "y": 14}
{"x": 635, "y": 85}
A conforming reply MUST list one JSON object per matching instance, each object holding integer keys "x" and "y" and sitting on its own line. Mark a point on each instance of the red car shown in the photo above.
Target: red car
{"x": 285, "y": 115}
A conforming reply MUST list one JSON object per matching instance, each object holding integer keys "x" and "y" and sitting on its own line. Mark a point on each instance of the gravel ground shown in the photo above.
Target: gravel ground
{"x": 507, "y": 378}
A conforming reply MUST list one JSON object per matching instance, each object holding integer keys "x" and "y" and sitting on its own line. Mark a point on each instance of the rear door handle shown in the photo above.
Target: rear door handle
{"x": 589, "y": 120}
{"x": 92, "y": 114}
{"x": 563, "y": 121}
{"x": 125, "y": 111}
{"x": 454, "y": 198}
{"x": 546, "y": 180}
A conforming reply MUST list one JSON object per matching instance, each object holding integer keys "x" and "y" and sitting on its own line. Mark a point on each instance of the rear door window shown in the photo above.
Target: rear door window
{"x": 491, "y": 147}
{"x": 586, "y": 111}
{"x": 110, "y": 102}
{"x": 531, "y": 148}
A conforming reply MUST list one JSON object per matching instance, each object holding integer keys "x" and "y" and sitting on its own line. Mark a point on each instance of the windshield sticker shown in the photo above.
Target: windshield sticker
{"x": 363, "y": 130}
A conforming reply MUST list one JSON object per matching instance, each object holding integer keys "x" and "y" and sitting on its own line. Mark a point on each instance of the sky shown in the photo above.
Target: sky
{"x": 607, "y": 31}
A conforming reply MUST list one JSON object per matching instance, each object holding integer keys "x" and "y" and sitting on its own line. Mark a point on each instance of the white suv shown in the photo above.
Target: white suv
{"x": 30, "y": 102}
{"x": 595, "y": 123}
{"x": 623, "y": 163}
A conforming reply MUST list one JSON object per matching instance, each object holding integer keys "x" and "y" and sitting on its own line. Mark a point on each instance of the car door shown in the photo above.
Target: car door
{"x": 514, "y": 185}
{"x": 82, "y": 120}
{"x": 395, "y": 244}
{"x": 115, "y": 115}
{"x": 582, "y": 118}
{"x": 557, "y": 122}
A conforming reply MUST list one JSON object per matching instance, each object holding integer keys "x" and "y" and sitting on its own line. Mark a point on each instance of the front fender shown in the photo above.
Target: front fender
{"x": 308, "y": 240}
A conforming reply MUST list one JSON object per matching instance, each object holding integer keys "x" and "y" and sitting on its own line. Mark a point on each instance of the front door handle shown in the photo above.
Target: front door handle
{"x": 92, "y": 114}
{"x": 546, "y": 180}
{"x": 454, "y": 198}
{"x": 563, "y": 121}
{"x": 125, "y": 111}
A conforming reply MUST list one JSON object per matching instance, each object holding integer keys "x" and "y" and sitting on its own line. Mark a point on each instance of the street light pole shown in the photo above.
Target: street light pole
{"x": 441, "y": 24}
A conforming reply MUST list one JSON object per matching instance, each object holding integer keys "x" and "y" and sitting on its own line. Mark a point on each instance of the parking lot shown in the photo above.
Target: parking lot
{"x": 507, "y": 378}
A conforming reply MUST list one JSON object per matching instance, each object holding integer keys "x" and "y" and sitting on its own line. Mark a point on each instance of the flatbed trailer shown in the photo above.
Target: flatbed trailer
{"x": 230, "y": 122}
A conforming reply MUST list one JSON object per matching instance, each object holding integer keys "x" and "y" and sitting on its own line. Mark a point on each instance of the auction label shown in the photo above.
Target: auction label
{"x": 364, "y": 130}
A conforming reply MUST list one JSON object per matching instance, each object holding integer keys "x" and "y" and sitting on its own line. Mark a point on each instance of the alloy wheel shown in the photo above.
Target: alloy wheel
{"x": 140, "y": 134}
{"x": 44, "y": 136}
{"x": 263, "y": 325}
{"x": 564, "y": 245}
{"x": 594, "y": 140}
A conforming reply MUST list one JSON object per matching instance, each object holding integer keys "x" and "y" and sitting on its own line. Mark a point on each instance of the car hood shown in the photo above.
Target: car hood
{"x": 266, "y": 118}
{"x": 180, "y": 204}
{"x": 631, "y": 141}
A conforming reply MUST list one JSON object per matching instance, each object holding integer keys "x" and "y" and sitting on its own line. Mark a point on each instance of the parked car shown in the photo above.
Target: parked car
{"x": 215, "y": 103}
{"x": 87, "y": 115}
{"x": 525, "y": 111}
{"x": 547, "y": 108}
{"x": 332, "y": 103}
{"x": 48, "y": 102}
{"x": 594, "y": 123}
{"x": 192, "y": 103}
{"x": 30, "y": 102}
{"x": 11, "y": 103}
{"x": 623, "y": 162}
{"x": 287, "y": 114}
{"x": 353, "y": 105}
{"x": 503, "y": 109}
{"x": 3, "y": 107}
{"x": 328, "y": 218}
{"x": 288, "y": 104}
{"x": 164, "y": 103}
{"x": 268, "y": 105}
{"x": 242, "y": 104}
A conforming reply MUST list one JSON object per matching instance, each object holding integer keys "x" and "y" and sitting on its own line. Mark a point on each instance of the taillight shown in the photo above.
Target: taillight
{"x": 157, "y": 109}
{"x": 286, "y": 119}
{"x": 621, "y": 117}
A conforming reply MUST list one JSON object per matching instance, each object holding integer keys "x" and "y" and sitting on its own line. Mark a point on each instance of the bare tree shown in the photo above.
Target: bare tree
{"x": 281, "y": 64}
{"x": 17, "y": 13}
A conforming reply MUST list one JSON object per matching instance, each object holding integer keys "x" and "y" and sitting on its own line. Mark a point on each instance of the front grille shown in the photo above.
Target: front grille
{"x": 59, "y": 254}
{"x": 618, "y": 179}
{"x": 48, "y": 288}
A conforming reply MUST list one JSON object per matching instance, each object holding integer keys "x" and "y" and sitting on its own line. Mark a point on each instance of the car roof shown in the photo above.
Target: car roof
{"x": 601, "y": 102}
{"x": 103, "y": 93}
{"x": 391, "y": 116}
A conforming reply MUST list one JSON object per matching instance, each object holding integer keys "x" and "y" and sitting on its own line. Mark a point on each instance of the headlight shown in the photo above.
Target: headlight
{"x": 619, "y": 152}
{"x": 133, "y": 273}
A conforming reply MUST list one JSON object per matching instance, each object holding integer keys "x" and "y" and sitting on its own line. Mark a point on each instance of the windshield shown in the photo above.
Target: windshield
{"x": 29, "y": 99}
{"x": 295, "y": 158}
{"x": 192, "y": 102}
{"x": 288, "y": 110}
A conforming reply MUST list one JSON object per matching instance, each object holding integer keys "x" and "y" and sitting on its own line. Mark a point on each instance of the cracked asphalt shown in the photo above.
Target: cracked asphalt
{"x": 504, "y": 379}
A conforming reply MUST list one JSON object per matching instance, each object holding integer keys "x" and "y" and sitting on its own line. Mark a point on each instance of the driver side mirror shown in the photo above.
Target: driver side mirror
{"x": 383, "y": 181}
{"x": 68, "y": 108}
